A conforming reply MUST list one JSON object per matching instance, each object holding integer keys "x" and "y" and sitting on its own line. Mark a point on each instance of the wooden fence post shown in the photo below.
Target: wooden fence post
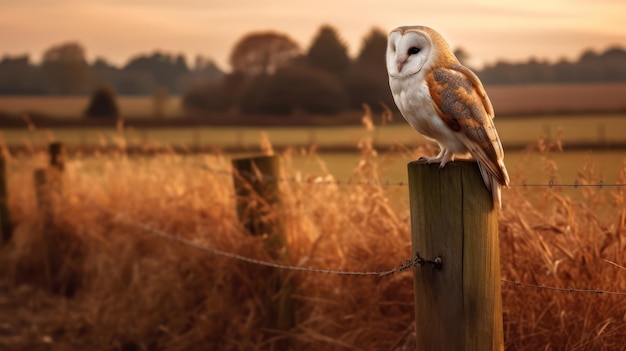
{"x": 43, "y": 194}
{"x": 458, "y": 307}
{"x": 44, "y": 204}
{"x": 256, "y": 181}
{"x": 258, "y": 198}
{"x": 57, "y": 155}
{"x": 5, "y": 214}
{"x": 49, "y": 182}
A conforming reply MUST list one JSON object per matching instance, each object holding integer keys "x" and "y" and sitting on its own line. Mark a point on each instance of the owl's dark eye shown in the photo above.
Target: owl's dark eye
{"x": 413, "y": 50}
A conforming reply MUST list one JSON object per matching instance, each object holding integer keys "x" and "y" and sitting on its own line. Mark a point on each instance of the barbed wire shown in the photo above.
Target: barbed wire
{"x": 575, "y": 184}
{"x": 568, "y": 290}
{"x": 417, "y": 259}
{"x": 387, "y": 183}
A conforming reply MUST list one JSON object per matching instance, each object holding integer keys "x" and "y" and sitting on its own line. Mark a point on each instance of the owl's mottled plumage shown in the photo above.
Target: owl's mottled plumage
{"x": 444, "y": 101}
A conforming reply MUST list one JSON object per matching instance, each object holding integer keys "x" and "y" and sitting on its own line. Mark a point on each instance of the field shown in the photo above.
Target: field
{"x": 103, "y": 269}
{"x": 580, "y": 135}
{"x": 73, "y": 107}
{"x": 585, "y": 128}
{"x": 507, "y": 100}
{"x": 97, "y": 277}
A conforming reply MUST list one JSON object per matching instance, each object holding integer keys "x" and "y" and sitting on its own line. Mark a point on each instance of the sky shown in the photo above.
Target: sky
{"x": 489, "y": 30}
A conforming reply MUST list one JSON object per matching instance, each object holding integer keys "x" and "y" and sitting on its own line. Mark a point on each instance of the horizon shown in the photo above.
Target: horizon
{"x": 543, "y": 30}
{"x": 190, "y": 60}
{"x": 226, "y": 67}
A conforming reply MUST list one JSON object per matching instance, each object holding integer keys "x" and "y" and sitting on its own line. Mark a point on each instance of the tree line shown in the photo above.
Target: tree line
{"x": 591, "y": 67}
{"x": 272, "y": 74}
{"x": 64, "y": 70}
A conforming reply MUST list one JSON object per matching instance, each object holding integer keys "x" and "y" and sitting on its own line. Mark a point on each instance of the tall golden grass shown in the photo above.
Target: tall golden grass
{"x": 121, "y": 287}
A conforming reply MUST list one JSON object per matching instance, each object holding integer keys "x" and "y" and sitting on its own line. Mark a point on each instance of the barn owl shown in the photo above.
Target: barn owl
{"x": 445, "y": 101}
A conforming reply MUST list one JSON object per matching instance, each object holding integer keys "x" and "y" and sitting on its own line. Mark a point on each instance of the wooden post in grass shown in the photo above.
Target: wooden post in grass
{"x": 5, "y": 214}
{"x": 256, "y": 187}
{"x": 49, "y": 182}
{"x": 48, "y": 190}
{"x": 57, "y": 155}
{"x": 44, "y": 204}
{"x": 259, "y": 210}
{"x": 457, "y": 307}
{"x": 42, "y": 194}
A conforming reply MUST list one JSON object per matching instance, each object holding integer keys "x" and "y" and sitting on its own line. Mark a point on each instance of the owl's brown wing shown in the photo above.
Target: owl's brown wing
{"x": 460, "y": 100}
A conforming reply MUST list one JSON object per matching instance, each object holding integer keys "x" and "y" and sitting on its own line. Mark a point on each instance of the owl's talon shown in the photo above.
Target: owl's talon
{"x": 428, "y": 160}
{"x": 424, "y": 159}
{"x": 444, "y": 161}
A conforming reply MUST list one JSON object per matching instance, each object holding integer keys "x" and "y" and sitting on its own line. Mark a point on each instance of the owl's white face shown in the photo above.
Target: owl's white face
{"x": 407, "y": 53}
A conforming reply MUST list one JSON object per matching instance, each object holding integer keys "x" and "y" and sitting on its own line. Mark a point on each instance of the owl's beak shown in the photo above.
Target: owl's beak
{"x": 401, "y": 65}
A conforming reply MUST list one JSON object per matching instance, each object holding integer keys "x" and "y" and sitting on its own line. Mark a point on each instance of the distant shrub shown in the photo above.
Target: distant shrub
{"x": 103, "y": 103}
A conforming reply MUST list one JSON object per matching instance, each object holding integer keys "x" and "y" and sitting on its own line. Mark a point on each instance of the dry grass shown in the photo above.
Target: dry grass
{"x": 548, "y": 238}
{"x": 119, "y": 287}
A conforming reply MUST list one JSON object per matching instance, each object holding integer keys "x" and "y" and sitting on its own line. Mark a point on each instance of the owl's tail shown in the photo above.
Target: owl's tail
{"x": 496, "y": 193}
{"x": 491, "y": 182}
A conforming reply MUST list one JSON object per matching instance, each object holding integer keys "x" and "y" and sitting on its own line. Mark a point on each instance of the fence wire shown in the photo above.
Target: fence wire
{"x": 414, "y": 261}
{"x": 148, "y": 228}
{"x": 568, "y": 290}
{"x": 387, "y": 183}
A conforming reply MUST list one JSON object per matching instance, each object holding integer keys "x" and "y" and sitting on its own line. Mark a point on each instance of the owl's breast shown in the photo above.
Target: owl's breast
{"x": 414, "y": 102}
{"x": 416, "y": 105}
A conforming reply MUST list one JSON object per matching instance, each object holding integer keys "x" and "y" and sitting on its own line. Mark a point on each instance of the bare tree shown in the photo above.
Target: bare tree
{"x": 263, "y": 53}
{"x": 66, "y": 68}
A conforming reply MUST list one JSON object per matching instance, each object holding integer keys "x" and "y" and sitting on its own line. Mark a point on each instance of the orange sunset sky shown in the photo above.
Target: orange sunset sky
{"x": 488, "y": 30}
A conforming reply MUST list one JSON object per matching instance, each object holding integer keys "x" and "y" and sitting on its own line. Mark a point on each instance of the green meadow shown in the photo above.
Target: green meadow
{"x": 522, "y": 130}
{"x": 514, "y": 132}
